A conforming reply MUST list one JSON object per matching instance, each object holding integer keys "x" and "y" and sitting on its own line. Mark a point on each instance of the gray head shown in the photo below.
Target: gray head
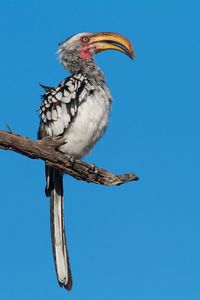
{"x": 77, "y": 52}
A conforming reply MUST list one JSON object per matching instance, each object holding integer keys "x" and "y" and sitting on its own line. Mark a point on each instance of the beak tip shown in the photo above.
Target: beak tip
{"x": 132, "y": 55}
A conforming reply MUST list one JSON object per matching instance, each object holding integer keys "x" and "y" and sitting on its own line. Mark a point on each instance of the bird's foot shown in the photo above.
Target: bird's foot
{"x": 94, "y": 169}
{"x": 71, "y": 161}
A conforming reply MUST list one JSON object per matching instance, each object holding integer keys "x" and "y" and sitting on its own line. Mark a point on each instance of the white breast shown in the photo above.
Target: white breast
{"x": 89, "y": 124}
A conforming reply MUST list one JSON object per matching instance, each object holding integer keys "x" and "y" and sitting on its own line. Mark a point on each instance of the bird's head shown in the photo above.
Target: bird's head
{"x": 77, "y": 52}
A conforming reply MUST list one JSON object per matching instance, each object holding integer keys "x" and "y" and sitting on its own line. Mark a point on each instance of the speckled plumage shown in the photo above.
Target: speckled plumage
{"x": 78, "y": 109}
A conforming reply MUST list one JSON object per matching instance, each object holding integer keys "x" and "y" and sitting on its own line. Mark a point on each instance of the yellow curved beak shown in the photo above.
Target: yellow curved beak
{"x": 111, "y": 41}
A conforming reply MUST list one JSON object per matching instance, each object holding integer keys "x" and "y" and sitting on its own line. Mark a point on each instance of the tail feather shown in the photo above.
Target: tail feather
{"x": 54, "y": 189}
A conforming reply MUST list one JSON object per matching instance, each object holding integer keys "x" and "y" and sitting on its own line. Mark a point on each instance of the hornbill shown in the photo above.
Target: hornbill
{"x": 78, "y": 111}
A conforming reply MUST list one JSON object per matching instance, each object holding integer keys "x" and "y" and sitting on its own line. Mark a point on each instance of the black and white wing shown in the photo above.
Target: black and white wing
{"x": 60, "y": 105}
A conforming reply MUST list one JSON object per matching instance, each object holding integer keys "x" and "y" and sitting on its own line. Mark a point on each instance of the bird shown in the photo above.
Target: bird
{"x": 77, "y": 110}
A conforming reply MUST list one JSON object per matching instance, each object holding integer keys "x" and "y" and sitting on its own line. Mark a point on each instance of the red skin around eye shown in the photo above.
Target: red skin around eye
{"x": 85, "y": 52}
{"x": 84, "y": 43}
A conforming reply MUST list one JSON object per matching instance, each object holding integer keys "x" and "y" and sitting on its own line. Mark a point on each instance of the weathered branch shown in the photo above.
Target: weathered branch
{"x": 46, "y": 150}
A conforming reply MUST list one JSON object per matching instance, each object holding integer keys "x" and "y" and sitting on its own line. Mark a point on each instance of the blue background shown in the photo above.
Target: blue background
{"x": 137, "y": 241}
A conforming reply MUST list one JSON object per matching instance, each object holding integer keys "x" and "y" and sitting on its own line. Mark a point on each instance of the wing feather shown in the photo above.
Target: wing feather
{"x": 60, "y": 105}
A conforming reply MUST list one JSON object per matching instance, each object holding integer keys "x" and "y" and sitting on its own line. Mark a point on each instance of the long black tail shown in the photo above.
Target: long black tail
{"x": 54, "y": 189}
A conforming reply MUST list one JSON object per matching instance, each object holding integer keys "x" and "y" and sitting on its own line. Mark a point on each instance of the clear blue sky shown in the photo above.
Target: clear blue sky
{"x": 139, "y": 241}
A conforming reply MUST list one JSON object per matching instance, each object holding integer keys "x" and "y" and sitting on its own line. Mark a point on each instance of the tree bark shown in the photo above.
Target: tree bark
{"x": 47, "y": 150}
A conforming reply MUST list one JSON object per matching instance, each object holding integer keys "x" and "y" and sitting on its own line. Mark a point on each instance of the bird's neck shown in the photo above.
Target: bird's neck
{"x": 93, "y": 73}
{"x": 86, "y": 67}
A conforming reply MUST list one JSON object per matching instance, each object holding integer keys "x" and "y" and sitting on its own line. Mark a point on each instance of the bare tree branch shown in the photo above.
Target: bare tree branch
{"x": 46, "y": 149}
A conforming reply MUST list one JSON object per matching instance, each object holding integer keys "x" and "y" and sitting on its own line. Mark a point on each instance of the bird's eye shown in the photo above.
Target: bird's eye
{"x": 85, "y": 39}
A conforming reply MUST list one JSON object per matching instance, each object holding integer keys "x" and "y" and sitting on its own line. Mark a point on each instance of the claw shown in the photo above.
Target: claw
{"x": 71, "y": 161}
{"x": 94, "y": 169}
